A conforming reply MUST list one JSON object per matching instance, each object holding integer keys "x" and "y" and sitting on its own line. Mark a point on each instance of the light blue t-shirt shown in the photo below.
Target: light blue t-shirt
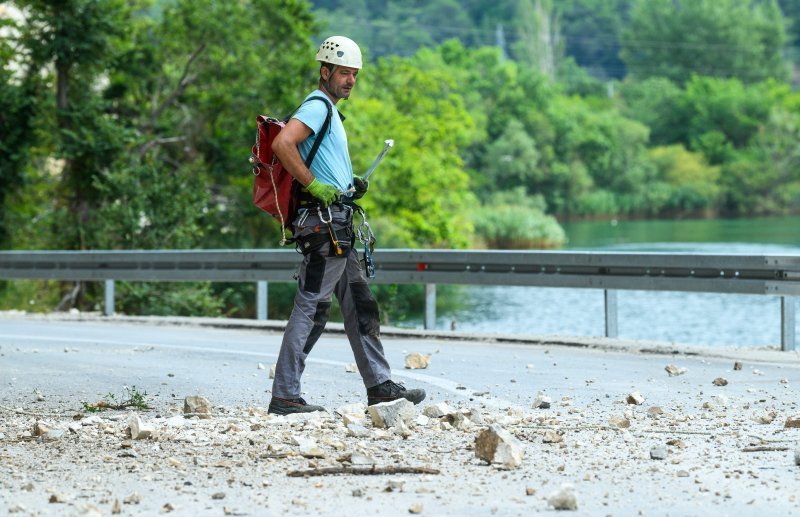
{"x": 332, "y": 164}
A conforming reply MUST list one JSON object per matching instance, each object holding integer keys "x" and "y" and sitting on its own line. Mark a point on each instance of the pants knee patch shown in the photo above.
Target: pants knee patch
{"x": 315, "y": 272}
{"x": 320, "y": 319}
{"x": 366, "y": 309}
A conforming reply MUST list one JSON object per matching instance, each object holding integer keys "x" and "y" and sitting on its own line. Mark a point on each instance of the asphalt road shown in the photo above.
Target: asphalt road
{"x": 66, "y": 363}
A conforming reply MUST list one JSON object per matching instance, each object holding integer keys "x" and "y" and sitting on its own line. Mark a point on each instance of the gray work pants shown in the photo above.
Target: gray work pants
{"x": 322, "y": 273}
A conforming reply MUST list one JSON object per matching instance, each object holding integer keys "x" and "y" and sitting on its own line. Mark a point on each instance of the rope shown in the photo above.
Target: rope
{"x": 282, "y": 242}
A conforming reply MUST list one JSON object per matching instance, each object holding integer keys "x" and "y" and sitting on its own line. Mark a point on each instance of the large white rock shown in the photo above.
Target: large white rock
{"x": 497, "y": 446}
{"x": 387, "y": 414}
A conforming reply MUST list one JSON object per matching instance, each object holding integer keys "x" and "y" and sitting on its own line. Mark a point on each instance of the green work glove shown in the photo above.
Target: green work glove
{"x": 361, "y": 185}
{"x": 322, "y": 191}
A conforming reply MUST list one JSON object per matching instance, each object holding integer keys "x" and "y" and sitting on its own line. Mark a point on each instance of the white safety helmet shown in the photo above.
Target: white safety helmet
{"x": 339, "y": 50}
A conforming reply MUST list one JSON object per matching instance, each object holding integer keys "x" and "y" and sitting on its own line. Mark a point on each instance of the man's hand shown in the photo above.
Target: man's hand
{"x": 361, "y": 185}
{"x": 322, "y": 191}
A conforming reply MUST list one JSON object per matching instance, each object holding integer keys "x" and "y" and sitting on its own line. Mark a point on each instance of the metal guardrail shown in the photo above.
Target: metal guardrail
{"x": 777, "y": 275}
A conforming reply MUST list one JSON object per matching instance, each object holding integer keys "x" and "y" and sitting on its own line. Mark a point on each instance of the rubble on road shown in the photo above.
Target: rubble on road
{"x": 673, "y": 370}
{"x": 498, "y": 447}
{"x": 541, "y": 401}
{"x": 449, "y": 449}
{"x": 564, "y": 498}
{"x": 635, "y": 398}
{"x": 417, "y": 361}
{"x": 389, "y": 414}
{"x": 197, "y": 405}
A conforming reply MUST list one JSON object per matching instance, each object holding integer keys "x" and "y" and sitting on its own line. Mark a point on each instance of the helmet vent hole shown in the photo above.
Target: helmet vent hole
{"x": 340, "y": 53}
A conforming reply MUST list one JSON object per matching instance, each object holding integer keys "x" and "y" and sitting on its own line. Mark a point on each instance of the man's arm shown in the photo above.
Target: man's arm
{"x": 285, "y": 148}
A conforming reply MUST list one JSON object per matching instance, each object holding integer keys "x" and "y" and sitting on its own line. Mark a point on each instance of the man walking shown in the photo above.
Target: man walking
{"x": 323, "y": 229}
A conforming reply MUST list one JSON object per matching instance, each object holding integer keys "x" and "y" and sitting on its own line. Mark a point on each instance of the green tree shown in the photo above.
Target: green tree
{"x": 765, "y": 177}
{"x": 693, "y": 184}
{"x": 592, "y": 30}
{"x": 722, "y": 38}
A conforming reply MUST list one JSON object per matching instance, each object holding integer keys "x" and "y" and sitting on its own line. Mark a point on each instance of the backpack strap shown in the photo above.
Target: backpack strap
{"x": 322, "y": 131}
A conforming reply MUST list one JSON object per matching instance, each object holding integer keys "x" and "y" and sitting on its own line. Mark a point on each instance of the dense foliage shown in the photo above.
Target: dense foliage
{"x": 126, "y": 124}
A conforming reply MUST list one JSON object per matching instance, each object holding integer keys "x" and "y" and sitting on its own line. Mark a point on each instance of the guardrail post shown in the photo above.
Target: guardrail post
{"x": 610, "y": 297}
{"x": 261, "y": 300}
{"x": 108, "y": 298}
{"x": 787, "y": 323}
{"x": 430, "y": 306}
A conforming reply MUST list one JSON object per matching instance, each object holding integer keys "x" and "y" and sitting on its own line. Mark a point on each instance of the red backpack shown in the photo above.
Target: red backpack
{"x": 274, "y": 189}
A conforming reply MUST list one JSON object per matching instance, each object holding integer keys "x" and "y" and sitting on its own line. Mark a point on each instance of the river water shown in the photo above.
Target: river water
{"x": 685, "y": 318}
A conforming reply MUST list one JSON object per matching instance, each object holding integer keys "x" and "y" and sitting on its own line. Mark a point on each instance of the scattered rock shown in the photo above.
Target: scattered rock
{"x": 541, "y": 401}
{"x": 53, "y": 435}
{"x": 357, "y": 430}
{"x": 673, "y": 370}
{"x": 395, "y": 485}
{"x": 58, "y": 498}
{"x": 676, "y": 442}
{"x": 792, "y": 422}
{"x": 40, "y": 428}
{"x": 635, "y": 398}
{"x": 619, "y": 422}
{"x": 458, "y": 419}
{"x": 197, "y": 405}
{"x": 351, "y": 368}
{"x": 551, "y": 436}
{"x": 720, "y": 381}
{"x": 497, "y": 446}
{"x": 564, "y": 498}
{"x": 720, "y": 401}
{"x": 797, "y": 456}
{"x": 134, "y": 498}
{"x": 352, "y": 411}
{"x": 682, "y": 474}
{"x": 387, "y": 414}
{"x": 530, "y": 491}
{"x": 308, "y": 447}
{"x": 272, "y": 371}
{"x": 137, "y": 429}
{"x": 415, "y": 508}
{"x": 260, "y": 366}
{"x": 417, "y": 361}
{"x": 437, "y": 411}
{"x": 737, "y": 365}
{"x": 218, "y": 496}
{"x": 362, "y": 458}
{"x": 658, "y": 453}
{"x": 655, "y": 411}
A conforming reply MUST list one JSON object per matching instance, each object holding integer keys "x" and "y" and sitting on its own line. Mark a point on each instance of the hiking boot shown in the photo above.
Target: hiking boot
{"x": 390, "y": 390}
{"x": 286, "y": 406}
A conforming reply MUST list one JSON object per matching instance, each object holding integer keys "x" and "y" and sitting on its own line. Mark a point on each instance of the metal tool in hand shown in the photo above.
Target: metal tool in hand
{"x": 388, "y": 145}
